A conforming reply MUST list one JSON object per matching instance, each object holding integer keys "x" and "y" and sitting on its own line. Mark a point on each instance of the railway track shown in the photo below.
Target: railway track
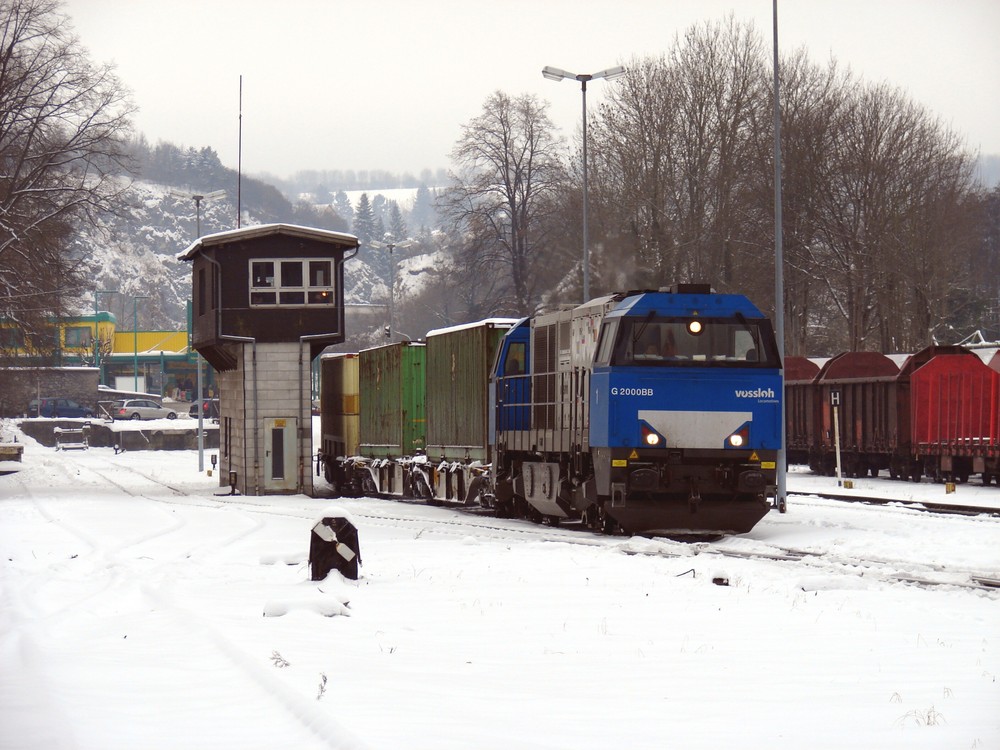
{"x": 461, "y": 521}
{"x": 922, "y": 505}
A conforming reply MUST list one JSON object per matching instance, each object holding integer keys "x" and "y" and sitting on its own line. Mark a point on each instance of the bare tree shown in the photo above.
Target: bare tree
{"x": 880, "y": 214}
{"x": 64, "y": 123}
{"x": 673, "y": 147}
{"x": 509, "y": 170}
{"x": 812, "y": 97}
{"x": 891, "y": 211}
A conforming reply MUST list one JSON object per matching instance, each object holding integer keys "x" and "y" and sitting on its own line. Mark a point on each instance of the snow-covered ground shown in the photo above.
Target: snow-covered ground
{"x": 142, "y": 608}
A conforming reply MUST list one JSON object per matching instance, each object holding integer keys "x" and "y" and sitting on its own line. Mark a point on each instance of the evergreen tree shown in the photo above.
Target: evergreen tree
{"x": 364, "y": 221}
{"x": 423, "y": 214}
{"x": 342, "y": 205}
{"x": 397, "y": 227}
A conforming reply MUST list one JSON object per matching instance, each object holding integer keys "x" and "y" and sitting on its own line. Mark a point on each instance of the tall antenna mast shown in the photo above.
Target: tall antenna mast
{"x": 239, "y": 162}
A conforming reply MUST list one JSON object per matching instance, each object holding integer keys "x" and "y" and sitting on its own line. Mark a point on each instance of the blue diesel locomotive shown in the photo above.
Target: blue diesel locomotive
{"x": 653, "y": 413}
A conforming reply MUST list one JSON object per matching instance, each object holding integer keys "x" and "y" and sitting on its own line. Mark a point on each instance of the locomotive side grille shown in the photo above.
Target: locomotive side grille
{"x": 544, "y": 346}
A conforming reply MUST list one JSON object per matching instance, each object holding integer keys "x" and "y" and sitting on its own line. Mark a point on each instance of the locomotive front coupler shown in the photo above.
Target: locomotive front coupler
{"x": 694, "y": 499}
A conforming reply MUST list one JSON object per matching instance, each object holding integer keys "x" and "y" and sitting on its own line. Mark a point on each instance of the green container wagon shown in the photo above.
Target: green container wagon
{"x": 392, "y": 380}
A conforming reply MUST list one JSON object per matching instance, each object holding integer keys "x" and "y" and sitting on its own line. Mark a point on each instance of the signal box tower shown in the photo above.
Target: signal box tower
{"x": 266, "y": 301}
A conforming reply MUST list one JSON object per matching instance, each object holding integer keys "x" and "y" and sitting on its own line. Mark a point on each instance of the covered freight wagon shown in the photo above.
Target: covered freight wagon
{"x": 801, "y": 408}
{"x": 953, "y": 417}
{"x": 863, "y": 387}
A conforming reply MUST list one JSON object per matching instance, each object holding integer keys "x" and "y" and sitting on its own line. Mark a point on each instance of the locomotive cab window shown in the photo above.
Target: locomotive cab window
{"x": 291, "y": 282}
{"x": 692, "y": 341}
{"x": 606, "y": 342}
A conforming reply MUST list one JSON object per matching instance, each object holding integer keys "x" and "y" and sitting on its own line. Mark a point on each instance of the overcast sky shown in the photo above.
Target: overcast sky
{"x": 387, "y": 84}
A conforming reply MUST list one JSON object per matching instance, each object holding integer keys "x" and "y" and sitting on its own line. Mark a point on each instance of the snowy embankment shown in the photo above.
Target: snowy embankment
{"x": 142, "y": 607}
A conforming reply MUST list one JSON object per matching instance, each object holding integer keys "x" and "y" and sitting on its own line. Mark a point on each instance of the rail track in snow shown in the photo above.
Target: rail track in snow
{"x": 460, "y": 521}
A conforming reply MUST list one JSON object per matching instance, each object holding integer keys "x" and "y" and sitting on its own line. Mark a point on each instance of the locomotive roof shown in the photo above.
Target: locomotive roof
{"x": 685, "y": 303}
{"x": 264, "y": 230}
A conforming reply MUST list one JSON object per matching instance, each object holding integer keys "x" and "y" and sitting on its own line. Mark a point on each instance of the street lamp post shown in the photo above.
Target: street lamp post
{"x": 198, "y": 399}
{"x": 391, "y": 246}
{"x": 135, "y": 339}
{"x": 779, "y": 279}
{"x": 97, "y": 332}
{"x": 557, "y": 74}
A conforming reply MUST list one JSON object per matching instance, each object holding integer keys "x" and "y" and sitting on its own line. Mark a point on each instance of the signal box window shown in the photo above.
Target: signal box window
{"x": 298, "y": 282}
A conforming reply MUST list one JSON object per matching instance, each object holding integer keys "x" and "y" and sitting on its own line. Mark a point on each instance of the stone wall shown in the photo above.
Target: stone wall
{"x": 18, "y": 385}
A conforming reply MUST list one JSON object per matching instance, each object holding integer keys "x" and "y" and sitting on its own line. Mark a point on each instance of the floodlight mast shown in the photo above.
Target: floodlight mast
{"x": 558, "y": 74}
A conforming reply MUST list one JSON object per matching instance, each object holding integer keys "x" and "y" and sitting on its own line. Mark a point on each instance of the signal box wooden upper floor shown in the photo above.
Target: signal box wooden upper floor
{"x": 273, "y": 283}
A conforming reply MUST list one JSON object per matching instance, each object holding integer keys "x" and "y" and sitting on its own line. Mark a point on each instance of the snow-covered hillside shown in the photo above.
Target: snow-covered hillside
{"x": 134, "y": 253}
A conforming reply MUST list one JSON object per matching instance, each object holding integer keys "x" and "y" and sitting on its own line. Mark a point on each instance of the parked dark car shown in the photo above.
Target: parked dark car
{"x": 210, "y": 407}
{"x": 57, "y": 407}
{"x": 140, "y": 408}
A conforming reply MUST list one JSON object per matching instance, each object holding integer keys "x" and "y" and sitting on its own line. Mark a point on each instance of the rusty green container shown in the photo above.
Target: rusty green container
{"x": 339, "y": 403}
{"x": 392, "y": 380}
{"x": 459, "y": 360}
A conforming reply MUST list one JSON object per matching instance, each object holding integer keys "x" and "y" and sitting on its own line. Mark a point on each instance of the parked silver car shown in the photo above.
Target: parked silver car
{"x": 140, "y": 408}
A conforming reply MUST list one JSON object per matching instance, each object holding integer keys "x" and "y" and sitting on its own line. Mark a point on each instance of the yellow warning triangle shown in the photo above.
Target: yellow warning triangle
{"x": 754, "y": 457}
{"x": 633, "y": 456}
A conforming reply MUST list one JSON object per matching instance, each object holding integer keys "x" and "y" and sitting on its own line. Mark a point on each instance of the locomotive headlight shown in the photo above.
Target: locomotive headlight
{"x": 740, "y": 438}
{"x": 651, "y": 437}
{"x": 694, "y": 327}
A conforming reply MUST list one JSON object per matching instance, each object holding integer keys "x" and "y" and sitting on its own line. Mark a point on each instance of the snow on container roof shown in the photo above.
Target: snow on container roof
{"x": 489, "y": 322}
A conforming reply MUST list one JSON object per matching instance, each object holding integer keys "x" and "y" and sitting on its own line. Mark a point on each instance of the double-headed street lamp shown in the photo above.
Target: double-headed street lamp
{"x": 198, "y": 198}
{"x": 557, "y": 74}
